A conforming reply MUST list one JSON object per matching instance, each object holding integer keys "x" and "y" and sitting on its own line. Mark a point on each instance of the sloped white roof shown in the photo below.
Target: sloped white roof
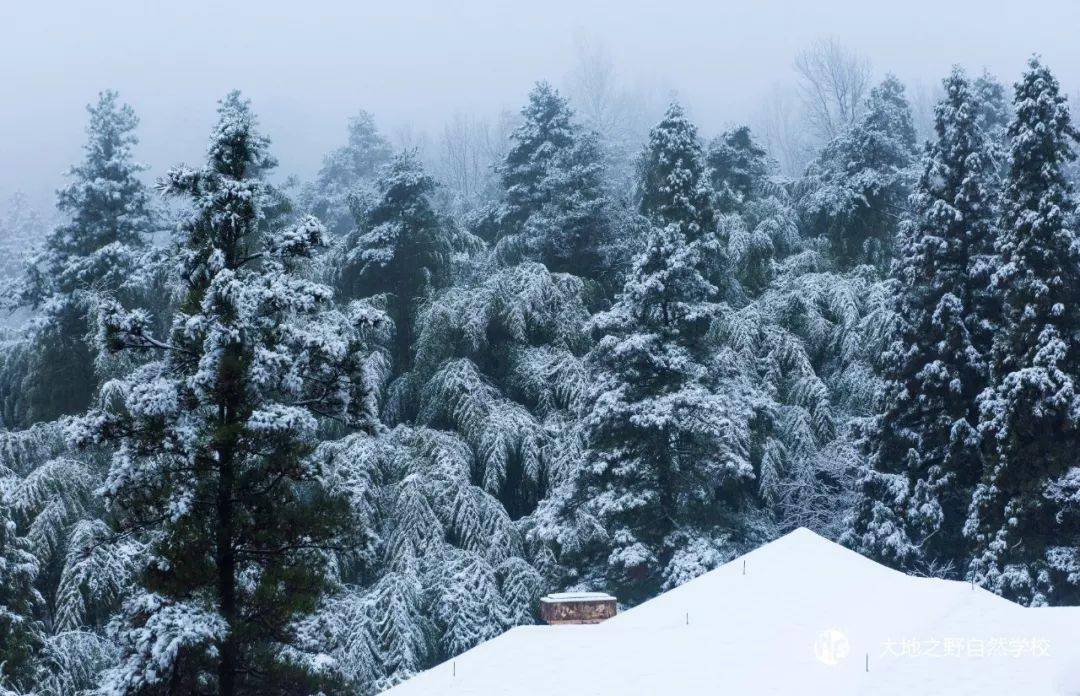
{"x": 807, "y": 617}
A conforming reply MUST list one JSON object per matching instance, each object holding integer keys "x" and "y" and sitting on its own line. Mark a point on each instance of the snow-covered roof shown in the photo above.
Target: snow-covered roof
{"x": 799, "y": 615}
{"x": 577, "y": 597}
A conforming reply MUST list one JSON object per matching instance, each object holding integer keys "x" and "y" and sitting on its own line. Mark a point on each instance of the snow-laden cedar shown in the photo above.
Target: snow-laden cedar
{"x": 211, "y": 439}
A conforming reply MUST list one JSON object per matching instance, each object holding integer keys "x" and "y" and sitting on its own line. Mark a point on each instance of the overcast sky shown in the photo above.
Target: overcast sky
{"x": 307, "y": 65}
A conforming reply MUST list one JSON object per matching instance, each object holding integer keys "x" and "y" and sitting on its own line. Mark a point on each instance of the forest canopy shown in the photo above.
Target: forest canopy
{"x": 270, "y": 436}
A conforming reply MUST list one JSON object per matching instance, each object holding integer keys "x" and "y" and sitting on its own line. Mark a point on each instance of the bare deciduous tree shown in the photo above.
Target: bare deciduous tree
{"x": 591, "y": 84}
{"x": 833, "y": 84}
{"x": 783, "y": 130}
{"x": 621, "y": 113}
{"x": 468, "y": 150}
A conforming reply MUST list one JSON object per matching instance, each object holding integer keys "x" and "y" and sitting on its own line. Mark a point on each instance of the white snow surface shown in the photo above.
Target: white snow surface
{"x": 761, "y": 633}
{"x": 576, "y": 597}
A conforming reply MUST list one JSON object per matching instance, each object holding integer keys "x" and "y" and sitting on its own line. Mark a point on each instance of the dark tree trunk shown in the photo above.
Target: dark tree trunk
{"x": 226, "y": 565}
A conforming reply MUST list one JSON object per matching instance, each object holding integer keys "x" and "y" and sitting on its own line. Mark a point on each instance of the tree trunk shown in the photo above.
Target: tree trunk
{"x": 226, "y": 567}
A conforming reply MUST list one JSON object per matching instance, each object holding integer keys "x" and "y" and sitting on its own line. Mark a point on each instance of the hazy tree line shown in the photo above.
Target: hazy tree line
{"x": 331, "y": 434}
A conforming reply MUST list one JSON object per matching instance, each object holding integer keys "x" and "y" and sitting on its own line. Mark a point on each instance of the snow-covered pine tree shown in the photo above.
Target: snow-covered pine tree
{"x": 738, "y": 168}
{"x": 555, "y": 208}
{"x": 106, "y": 219}
{"x": 571, "y": 232}
{"x": 211, "y": 440}
{"x": 546, "y": 130}
{"x": 401, "y": 248}
{"x": 1023, "y": 519}
{"x": 345, "y": 172}
{"x": 666, "y": 469}
{"x": 993, "y": 112}
{"x": 20, "y": 603}
{"x": 924, "y": 449}
{"x": 673, "y": 184}
{"x": 861, "y": 180}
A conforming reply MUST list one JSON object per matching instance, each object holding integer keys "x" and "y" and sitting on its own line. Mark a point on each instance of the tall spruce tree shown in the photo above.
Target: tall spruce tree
{"x": 547, "y": 130}
{"x": 570, "y": 232}
{"x": 555, "y": 208}
{"x": 861, "y": 181}
{"x": 106, "y": 219}
{"x": 924, "y": 459}
{"x": 1024, "y": 519}
{"x": 666, "y": 466}
{"x": 401, "y": 247}
{"x": 211, "y": 440}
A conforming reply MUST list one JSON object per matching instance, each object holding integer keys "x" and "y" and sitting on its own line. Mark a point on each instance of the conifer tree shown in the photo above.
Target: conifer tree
{"x": 666, "y": 466}
{"x": 346, "y": 172}
{"x": 547, "y": 131}
{"x": 673, "y": 185}
{"x": 571, "y": 231}
{"x": 861, "y": 181}
{"x": 400, "y": 247}
{"x": 555, "y": 207}
{"x": 211, "y": 440}
{"x": 992, "y": 113}
{"x": 106, "y": 218}
{"x": 924, "y": 458}
{"x": 20, "y": 604}
{"x": 1023, "y": 514}
{"x": 738, "y": 168}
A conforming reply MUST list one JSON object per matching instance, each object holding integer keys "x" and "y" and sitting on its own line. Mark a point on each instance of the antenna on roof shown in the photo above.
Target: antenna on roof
{"x": 744, "y": 566}
{"x": 867, "y": 662}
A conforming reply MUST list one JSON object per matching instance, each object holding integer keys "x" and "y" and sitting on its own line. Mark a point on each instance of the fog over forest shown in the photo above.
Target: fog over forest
{"x": 418, "y": 65}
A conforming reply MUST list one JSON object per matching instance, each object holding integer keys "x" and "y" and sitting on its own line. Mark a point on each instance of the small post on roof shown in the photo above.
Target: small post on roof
{"x": 744, "y": 567}
{"x": 867, "y": 662}
{"x": 453, "y": 668}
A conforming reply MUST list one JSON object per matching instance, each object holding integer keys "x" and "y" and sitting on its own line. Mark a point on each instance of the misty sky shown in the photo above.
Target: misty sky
{"x": 308, "y": 65}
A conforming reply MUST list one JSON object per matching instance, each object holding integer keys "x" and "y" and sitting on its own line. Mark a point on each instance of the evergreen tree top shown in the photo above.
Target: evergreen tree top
{"x": 958, "y": 173}
{"x": 110, "y": 134}
{"x": 367, "y": 147}
{"x": 546, "y": 131}
{"x": 362, "y": 155}
{"x": 673, "y": 185}
{"x": 1041, "y": 132}
{"x": 105, "y": 201}
{"x": 993, "y": 112}
{"x": 887, "y": 111}
{"x": 738, "y": 165}
{"x": 403, "y": 178}
{"x": 237, "y": 149}
{"x": 1040, "y": 257}
{"x": 105, "y": 210}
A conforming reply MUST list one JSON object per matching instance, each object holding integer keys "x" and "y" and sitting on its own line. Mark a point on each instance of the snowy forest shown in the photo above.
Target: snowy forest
{"x": 266, "y": 435}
